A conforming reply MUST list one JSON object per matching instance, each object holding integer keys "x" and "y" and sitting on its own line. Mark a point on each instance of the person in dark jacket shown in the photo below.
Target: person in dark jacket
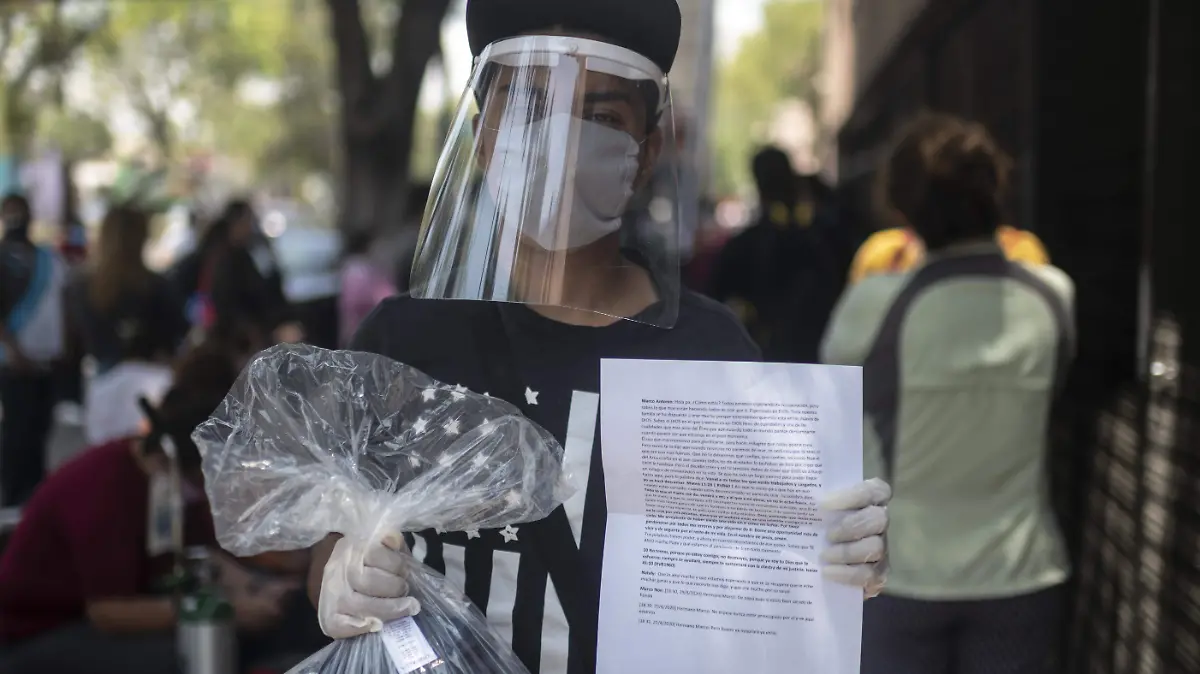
{"x": 234, "y": 284}
{"x": 779, "y": 274}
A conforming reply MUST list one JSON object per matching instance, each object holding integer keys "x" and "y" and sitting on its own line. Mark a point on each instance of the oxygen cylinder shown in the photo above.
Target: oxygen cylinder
{"x": 206, "y": 633}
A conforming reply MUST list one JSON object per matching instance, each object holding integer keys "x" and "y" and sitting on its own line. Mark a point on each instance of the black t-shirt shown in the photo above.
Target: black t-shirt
{"x": 247, "y": 292}
{"x": 788, "y": 276}
{"x": 558, "y": 366}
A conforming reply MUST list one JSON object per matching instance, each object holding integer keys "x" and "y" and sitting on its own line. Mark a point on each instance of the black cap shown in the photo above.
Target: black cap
{"x": 648, "y": 27}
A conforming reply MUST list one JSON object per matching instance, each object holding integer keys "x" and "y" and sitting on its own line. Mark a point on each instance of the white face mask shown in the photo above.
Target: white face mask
{"x": 529, "y": 170}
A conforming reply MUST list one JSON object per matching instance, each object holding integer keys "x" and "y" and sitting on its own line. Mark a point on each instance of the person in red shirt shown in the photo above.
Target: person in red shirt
{"x": 78, "y": 575}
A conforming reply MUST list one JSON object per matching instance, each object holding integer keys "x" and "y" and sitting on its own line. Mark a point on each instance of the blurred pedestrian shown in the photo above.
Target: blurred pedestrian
{"x": 962, "y": 357}
{"x": 32, "y": 339}
{"x": 364, "y": 284}
{"x": 563, "y": 123}
{"x": 84, "y": 579}
{"x": 234, "y": 285}
{"x": 131, "y": 324}
{"x": 779, "y": 274}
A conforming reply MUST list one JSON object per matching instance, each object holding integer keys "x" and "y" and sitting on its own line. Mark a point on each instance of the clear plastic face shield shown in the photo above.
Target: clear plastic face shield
{"x": 534, "y": 197}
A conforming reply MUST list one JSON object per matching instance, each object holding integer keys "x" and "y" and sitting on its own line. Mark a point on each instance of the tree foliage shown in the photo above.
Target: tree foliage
{"x": 289, "y": 87}
{"x": 38, "y": 43}
{"x": 76, "y": 134}
{"x": 779, "y": 62}
{"x": 291, "y": 135}
{"x": 171, "y": 61}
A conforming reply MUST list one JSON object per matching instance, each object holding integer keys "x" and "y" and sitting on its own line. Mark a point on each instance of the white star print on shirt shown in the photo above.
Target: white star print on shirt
{"x": 459, "y": 392}
{"x": 582, "y": 423}
{"x": 512, "y": 498}
{"x": 414, "y": 461}
{"x": 451, "y": 427}
{"x": 480, "y": 460}
{"x": 530, "y": 396}
{"x": 420, "y": 425}
{"x": 429, "y": 394}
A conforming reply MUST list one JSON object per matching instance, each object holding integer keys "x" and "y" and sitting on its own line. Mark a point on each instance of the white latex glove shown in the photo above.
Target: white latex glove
{"x": 858, "y": 554}
{"x": 363, "y": 586}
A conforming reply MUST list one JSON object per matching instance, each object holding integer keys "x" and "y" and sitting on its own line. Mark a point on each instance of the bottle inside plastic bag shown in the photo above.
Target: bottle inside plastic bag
{"x": 311, "y": 441}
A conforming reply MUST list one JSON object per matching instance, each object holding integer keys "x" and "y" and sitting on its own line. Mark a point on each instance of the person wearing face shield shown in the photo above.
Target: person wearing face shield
{"x": 526, "y": 275}
{"x": 32, "y": 340}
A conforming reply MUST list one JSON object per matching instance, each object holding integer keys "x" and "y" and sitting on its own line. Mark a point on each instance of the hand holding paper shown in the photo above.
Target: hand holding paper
{"x": 858, "y": 554}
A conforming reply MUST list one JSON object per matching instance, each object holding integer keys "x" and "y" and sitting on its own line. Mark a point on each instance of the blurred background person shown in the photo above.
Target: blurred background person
{"x": 365, "y": 282}
{"x": 962, "y": 357}
{"x": 233, "y": 284}
{"x": 32, "y": 339}
{"x": 84, "y": 581}
{"x": 778, "y": 274}
{"x": 838, "y": 240}
{"x": 131, "y": 324}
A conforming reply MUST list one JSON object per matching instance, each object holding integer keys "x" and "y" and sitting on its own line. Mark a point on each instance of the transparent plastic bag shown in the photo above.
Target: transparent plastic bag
{"x": 311, "y": 441}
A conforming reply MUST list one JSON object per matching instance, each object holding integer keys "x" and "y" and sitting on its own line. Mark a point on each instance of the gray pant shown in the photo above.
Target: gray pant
{"x": 81, "y": 649}
{"x": 1014, "y": 635}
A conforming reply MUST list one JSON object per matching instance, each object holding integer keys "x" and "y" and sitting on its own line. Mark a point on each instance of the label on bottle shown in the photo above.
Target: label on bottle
{"x": 406, "y": 645}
